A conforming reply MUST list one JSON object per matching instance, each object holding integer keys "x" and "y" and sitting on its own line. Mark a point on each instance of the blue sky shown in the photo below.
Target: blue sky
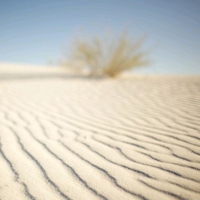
{"x": 34, "y": 32}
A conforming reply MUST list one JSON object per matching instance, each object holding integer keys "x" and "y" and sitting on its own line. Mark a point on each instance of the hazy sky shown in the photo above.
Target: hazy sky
{"x": 33, "y": 32}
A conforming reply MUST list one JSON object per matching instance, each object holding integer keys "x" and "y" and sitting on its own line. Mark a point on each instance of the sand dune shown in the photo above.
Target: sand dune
{"x": 77, "y": 138}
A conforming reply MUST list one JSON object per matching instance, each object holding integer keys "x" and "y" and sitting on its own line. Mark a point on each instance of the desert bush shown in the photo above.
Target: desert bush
{"x": 107, "y": 56}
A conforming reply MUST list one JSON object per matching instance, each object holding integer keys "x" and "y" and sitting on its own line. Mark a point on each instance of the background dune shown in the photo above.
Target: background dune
{"x": 135, "y": 137}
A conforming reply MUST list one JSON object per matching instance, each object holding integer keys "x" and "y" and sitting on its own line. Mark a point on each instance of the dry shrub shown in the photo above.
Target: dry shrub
{"x": 108, "y": 56}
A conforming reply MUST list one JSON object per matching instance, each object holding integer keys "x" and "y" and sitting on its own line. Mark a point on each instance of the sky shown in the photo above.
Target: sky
{"x": 36, "y": 32}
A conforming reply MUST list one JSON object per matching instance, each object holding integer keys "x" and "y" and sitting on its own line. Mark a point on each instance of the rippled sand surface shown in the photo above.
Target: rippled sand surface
{"x": 78, "y": 138}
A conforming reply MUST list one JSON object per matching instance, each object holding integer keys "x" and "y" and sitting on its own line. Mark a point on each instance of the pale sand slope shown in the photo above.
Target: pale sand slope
{"x": 78, "y": 138}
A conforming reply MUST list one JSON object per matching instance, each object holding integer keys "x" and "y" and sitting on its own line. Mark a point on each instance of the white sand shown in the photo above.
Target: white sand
{"x": 79, "y": 138}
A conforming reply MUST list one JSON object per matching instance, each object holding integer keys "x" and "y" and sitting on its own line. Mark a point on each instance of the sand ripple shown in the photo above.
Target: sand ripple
{"x": 75, "y": 138}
